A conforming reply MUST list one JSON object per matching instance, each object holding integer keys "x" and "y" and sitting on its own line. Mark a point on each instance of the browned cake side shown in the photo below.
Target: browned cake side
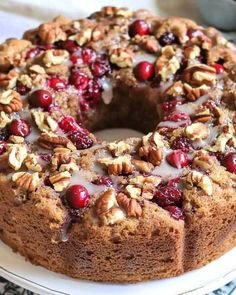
{"x": 142, "y": 209}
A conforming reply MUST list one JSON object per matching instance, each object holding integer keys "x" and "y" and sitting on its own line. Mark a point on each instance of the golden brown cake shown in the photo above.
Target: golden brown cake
{"x": 135, "y": 209}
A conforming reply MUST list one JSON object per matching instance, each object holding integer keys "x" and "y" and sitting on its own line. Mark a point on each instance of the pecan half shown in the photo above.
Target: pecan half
{"x": 118, "y": 166}
{"x": 196, "y": 131}
{"x": 122, "y": 57}
{"x": 16, "y": 156}
{"x": 195, "y": 178}
{"x": 60, "y": 180}
{"x": 131, "y": 206}
{"x": 50, "y": 141}
{"x": 10, "y": 101}
{"x": 26, "y": 180}
{"x": 199, "y": 74}
{"x": 151, "y": 154}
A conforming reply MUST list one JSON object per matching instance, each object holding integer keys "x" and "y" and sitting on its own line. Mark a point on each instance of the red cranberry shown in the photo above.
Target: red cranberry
{"x": 70, "y": 46}
{"x": 230, "y": 162}
{"x": 45, "y": 157}
{"x": 139, "y": 27}
{"x": 168, "y": 106}
{"x": 56, "y": 83}
{"x": 40, "y": 99}
{"x": 88, "y": 55}
{"x": 79, "y": 79}
{"x": 68, "y": 124}
{"x": 93, "y": 92}
{"x": 103, "y": 180}
{"x": 219, "y": 68}
{"x": 175, "y": 212}
{"x": 76, "y": 59}
{"x": 182, "y": 143}
{"x": 81, "y": 140}
{"x": 100, "y": 68}
{"x": 178, "y": 117}
{"x": 167, "y": 38}
{"x": 19, "y": 128}
{"x": 174, "y": 182}
{"x": 167, "y": 195}
{"x": 84, "y": 104}
{"x": 144, "y": 71}
{"x": 3, "y": 147}
{"x": 177, "y": 159}
{"x": 33, "y": 52}
{"x": 193, "y": 33}
{"x": 77, "y": 196}
{"x": 21, "y": 88}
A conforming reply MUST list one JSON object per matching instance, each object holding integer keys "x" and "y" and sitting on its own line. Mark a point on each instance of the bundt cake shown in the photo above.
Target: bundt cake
{"x": 134, "y": 209}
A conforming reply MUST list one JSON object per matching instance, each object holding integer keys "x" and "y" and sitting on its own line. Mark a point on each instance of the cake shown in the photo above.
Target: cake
{"x": 134, "y": 209}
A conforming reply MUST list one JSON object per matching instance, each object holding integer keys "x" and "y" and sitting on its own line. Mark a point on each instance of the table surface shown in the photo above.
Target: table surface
{"x": 28, "y": 13}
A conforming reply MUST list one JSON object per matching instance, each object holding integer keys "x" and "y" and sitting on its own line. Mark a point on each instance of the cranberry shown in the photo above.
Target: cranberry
{"x": 76, "y": 59}
{"x": 103, "y": 180}
{"x": 168, "y": 106}
{"x": 84, "y": 104}
{"x": 174, "y": 182}
{"x": 219, "y": 68}
{"x": 175, "y": 212}
{"x": 177, "y": 117}
{"x": 33, "y": 52}
{"x": 19, "y": 128}
{"x": 139, "y": 27}
{"x": 3, "y": 147}
{"x": 182, "y": 143}
{"x": 77, "y": 196}
{"x": 79, "y": 79}
{"x": 144, "y": 70}
{"x": 21, "y": 88}
{"x": 167, "y": 195}
{"x": 218, "y": 155}
{"x": 70, "y": 46}
{"x": 45, "y": 157}
{"x": 88, "y": 55}
{"x": 56, "y": 83}
{"x": 81, "y": 140}
{"x": 93, "y": 92}
{"x": 68, "y": 124}
{"x": 167, "y": 38}
{"x": 100, "y": 68}
{"x": 40, "y": 99}
{"x": 193, "y": 33}
{"x": 230, "y": 162}
{"x": 178, "y": 159}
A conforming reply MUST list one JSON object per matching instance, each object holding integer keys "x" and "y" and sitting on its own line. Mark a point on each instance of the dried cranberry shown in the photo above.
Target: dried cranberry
{"x": 79, "y": 79}
{"x": 100, "y": 68}
{"x": 219, "y": 156}
{"x": 3, "y": 147}
{"x": 19, "y": 128}
{"x": 45, "y": 157}
{"x": 219, "y": 68}
{"x": 88, "y": 55}
{"x": 21, "y": 88}
{"x": 230, "y": 162}
{"x": 70, "y": 46}
{"x": 174, "y": 182}
{"x": 167, "y": 195}
{"x": 144, "y": 71}
{"x": 139, "y": 27}
{"x": 40, "y": 99}
{"x": 81, "y": 140}
{"x": 68, "y": 124}
{"x": 177, "y": 117}
{"x": 193, "y": 33}
{"x": 182, "y": 143}
{"x": 33, "y": 52}
{"x": 77, "y": 196}
{"x": 178, "y": 159}
{"x": 175, "y": 212}
{"x": 93, "y": 92}
{"x": 76, "y": 59}
{"x": 103, "y": 180}
{"x": 167, "y": 38}
{"x": 168, "y": 106}
{"x": 56, "y": 83}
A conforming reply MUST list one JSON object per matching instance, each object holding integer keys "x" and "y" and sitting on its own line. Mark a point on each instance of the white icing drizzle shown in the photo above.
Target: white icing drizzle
{"x": 191, "y": 107}
{"x": 209, "y": 140}
{"x": 172, "y": 124}
{"x": 107, "y": 93}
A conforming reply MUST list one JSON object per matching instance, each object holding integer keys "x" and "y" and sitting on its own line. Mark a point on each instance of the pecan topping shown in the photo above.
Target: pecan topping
{"x": 4, "y": 119}
{"x": 63, "y": 161}
{"x": 60, "y": 180}
{"x": 10, "y": 101}
{"x": 16, "y": 155}
{"x": 151, "y": 154}
{"x": 44, "y": 121}
{"x": 54, "y": 57}
{"x": 203, "y": 160}
{"x": 196, "y": 131}
{"x": 32, "y": 164}
{"x": 51, "y": 32}
{"x": 118, "y": 148}
{"x": 8, "y": 80}
{"x": 118, "y": 166}
{"x": 122, "y": 57}
{"x": 195, "y": 178}
{"x": 199, "y": 74}
{"x": 26, "y": 180}
{"x": 143, "y": 166}
{"x": 82, "y": 37}
{"x": 50, "y": 141}
{"x": 131, "y": 206}
{"x": 193, "y": 93}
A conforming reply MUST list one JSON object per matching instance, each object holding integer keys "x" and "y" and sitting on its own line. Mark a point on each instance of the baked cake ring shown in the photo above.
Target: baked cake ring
{"x": 135, "y": 209}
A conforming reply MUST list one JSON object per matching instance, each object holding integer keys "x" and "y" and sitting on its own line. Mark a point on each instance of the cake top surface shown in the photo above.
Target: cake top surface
{"x": 65, "y": 69}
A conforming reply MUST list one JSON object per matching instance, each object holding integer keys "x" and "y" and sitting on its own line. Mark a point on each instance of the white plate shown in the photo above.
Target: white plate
{"x": 37, "y": 279}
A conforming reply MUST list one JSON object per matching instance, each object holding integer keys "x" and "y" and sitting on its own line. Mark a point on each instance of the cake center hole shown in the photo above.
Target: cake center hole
{"x": 113, "y": 134}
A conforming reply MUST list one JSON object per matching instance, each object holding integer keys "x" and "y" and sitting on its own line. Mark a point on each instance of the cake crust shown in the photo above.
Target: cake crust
{"x": 135, "y": 209}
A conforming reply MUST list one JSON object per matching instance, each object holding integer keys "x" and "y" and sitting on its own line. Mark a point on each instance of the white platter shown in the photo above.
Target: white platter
{"x": 37, "y": 279}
